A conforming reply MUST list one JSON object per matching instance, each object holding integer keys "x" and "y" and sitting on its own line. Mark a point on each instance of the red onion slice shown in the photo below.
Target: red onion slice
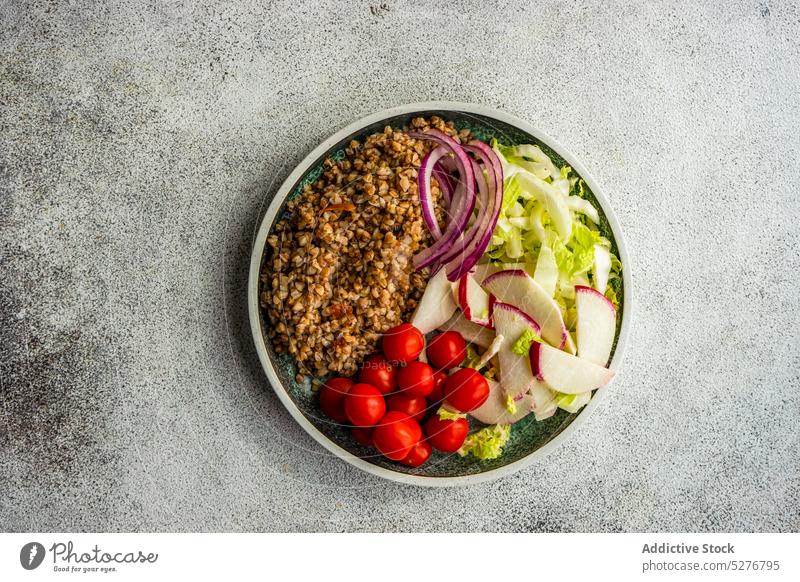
{"x": 462, "y": 204}
{"x": 478, "y": 245}
{"x": 426, "y": 169}
{"x": 482, "y": 203}
{"x": 441, "y": 171}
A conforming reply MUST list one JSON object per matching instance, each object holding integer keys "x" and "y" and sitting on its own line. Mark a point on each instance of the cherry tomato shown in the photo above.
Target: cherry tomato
{"x": 364, "y": 405}
{"x": 379, "y": 372}
{"x": 363, "y": 435}
{"x": 418, "y": 454}
{"x": 446, "y": 435}
{"x": 331, "y": 398}
{"x": 466, "y": 389}
{"x": 439, "y": 380}
{"x": 395, "y": 434}
{"x": 403, "y": 343}
{"x": 447, "y": 350}
{"x": 413, "y": 406}
{"x": 415, "y": 379}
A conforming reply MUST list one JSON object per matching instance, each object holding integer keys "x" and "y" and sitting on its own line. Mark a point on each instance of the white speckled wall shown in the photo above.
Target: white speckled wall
{"x": 140, "y": 143}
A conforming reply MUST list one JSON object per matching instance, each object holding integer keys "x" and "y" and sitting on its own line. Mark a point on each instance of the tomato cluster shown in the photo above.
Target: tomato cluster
{"x": 395, "y": 391}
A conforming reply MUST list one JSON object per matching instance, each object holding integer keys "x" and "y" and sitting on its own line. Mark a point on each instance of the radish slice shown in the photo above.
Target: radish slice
{"x": 436, "y": 305}
{"x": 462, "y": 204}
{"x": 474, "y": 301}
{"x": 426, "y": 169}
{"x": 471, "y": 332}
{"x": 566, "y": 373}
{"x": 494, "y": 410}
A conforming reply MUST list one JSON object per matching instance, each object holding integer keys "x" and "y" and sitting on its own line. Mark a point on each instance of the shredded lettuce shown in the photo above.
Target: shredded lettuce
{"x": 445, "y": 414}
{"x": 487, "y": 443}
{"x": 611, "y": 295}
{"x": 510, "y": 404}
{"x": 572, "y": 402}
{"x": 546, "y": 273}
{"x": 583, "y": 206}
{"x": 522, "y": 346}
{"x": 548, "y": 224}
{"x": 601, "y": 267}
{"x": 473, "y": 359}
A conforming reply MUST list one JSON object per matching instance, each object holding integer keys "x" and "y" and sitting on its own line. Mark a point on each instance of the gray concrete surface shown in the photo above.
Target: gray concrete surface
{"x": 141, "y": 141}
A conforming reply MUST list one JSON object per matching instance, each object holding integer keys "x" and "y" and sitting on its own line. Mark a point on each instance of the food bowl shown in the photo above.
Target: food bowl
{"x": 531, "y": 440}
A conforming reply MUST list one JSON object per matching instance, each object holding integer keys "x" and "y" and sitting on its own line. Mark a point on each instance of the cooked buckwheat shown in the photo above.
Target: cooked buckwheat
{"x": 338, "y": 269}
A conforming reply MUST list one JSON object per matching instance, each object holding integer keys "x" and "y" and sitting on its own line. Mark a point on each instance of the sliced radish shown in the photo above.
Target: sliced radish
{"x": 601, "y": 267}
{"x": 566, "y": 373}
{"x": 490, "y": 352}
{"x": 569, "y": 345}
{"x": 597, "y": 322}
{"x": 436, "y": 305}
{"x": 471, "y": 332}
{"x": 481, "y": 272}
{"x": 543, "y": 400}
{"x": 494, "y": 410}
{"x": 515, "y": 370}
{"x": 473, "y": 301}
{"x": 516, "y": 287}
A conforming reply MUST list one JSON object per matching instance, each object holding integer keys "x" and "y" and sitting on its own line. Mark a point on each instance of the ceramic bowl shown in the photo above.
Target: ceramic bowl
{"x": 530, "y": 440}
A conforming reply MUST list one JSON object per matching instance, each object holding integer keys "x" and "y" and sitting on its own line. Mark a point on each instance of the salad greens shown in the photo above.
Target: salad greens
{"x": 522, "y": 346}
{"x": 445, "y": 414}
{"x": 549, "y": 228}
{"x": 487, "y": 443}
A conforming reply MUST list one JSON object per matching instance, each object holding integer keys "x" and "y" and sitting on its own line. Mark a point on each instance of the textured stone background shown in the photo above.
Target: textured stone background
{"x": 141, "y": 141}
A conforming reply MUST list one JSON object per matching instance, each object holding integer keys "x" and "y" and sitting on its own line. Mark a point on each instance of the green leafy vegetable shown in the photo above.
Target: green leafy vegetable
{"x": 522, "y": 346}
{"x": 611, "y": 295}
{"x": 510, "y": 405}
{"x": 472, "y": 360}
{"x": 487, "y": 443}
{"x": 546, "y": 273}
{"x": 572, "y": 402}
{"x": 445, "y": 414}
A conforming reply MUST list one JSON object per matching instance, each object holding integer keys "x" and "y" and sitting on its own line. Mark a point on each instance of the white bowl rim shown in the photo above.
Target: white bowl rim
{"x": 260, "y": 341}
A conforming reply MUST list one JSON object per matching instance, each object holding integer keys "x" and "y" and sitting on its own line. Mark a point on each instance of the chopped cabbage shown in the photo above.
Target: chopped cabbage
{"x": 546, "y": 273}
{"x": 487, "y": 443}
{"x": 548, "y": 225}
{"x": 510, "y": 404}
{"x": 445, "y": 414}
{"x": 601, "y": 268}
{"x": 472, "y": 359}
{"x": 573, "y": 402}
{"x": 522, "y": 346}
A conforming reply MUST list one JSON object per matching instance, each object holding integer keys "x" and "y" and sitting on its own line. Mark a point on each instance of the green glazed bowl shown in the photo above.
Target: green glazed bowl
{"x": 530, "y": 440}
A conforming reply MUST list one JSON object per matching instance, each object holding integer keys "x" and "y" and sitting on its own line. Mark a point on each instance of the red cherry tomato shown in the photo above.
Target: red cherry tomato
{"x": 416, "y": 379}
{"x": 362, "y": 435}
{"x": 379, "y": 372}
{"x": 403, "y": 343}
{"x": 439, "y": 380}
{"x": 395, "y": 434}
{"x": 413, "y": 406}
{"x": 466, "y": 390}
{"x": 364, "y": 405}
{"x": 418, "y": 454}
{"x": 447, "y": 350}
{"x": 446, "y": 435}
{"x": 331, "y": 398}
